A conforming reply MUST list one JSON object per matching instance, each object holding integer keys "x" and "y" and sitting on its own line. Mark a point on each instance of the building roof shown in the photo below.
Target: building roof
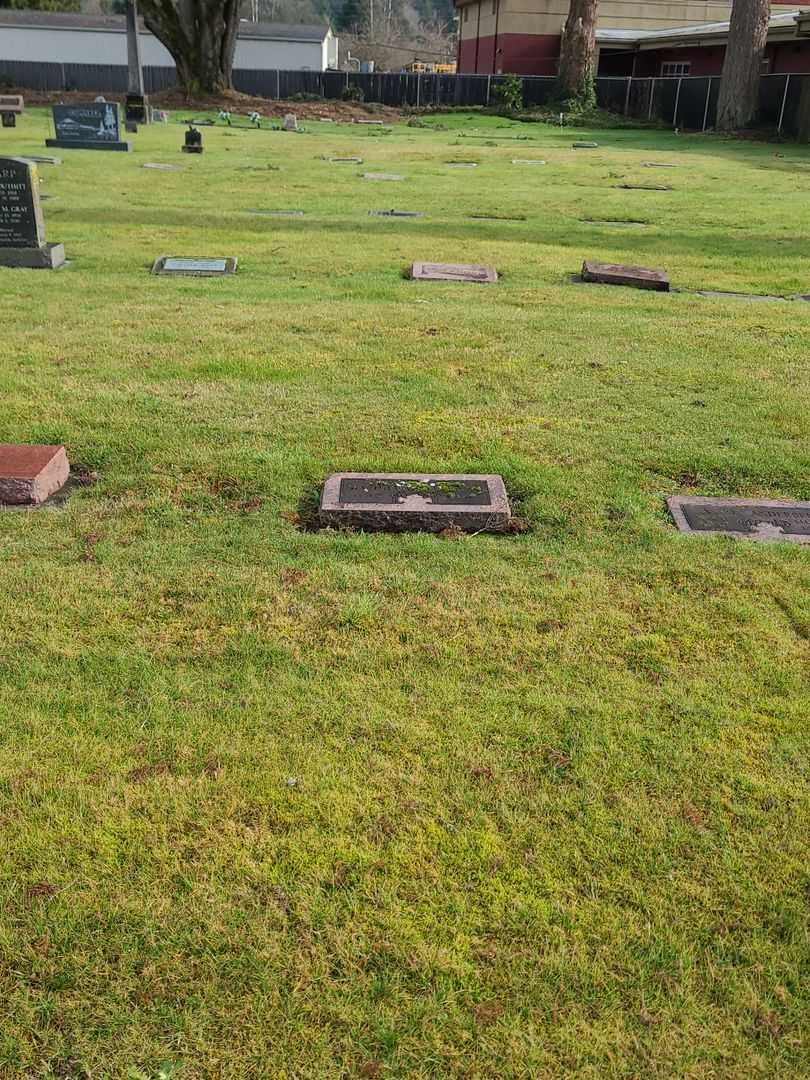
{"x": 784, "y": 24}
{"x": 68, "y": 20}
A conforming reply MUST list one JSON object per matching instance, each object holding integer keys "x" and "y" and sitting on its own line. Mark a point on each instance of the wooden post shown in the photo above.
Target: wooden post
{"x": 652, "y": 95}
{"x": 627, "y": 96}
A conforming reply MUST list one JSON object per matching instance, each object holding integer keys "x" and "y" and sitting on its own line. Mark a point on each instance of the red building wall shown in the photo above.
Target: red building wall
{"x": 510, "y": 54}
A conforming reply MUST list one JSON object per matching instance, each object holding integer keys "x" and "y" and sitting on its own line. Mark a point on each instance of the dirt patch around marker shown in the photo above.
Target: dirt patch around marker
{"x": 176, "y": 101}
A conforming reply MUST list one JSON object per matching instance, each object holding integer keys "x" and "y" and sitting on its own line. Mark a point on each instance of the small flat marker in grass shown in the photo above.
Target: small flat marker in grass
{"x": 430, "y": 271}
{"x": 527, "y": 161}
{"x": 30, "y": 473}
{"x": 277, "y": 213}
{"x": 749, "y": 519}
{"x": 41, "y": 159}
{"x": 426, "y": 502}
{"x": 174, "y": 264}
{"x": 397, "y": 213}
{"x": 644, "y": 187}
{"x": 660, "y": 165}
{"x": 639, "y": 277}
{"x": 382, "y": 176}
{"x": 346, "y": 160}
{"x": 462, "y": 164}
{"x": 584, "y": 145}
{"x": 497, "y": 217}
{"x": 161, "y": 166}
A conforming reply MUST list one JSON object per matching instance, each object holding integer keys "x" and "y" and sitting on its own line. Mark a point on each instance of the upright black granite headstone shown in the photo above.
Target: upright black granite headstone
{"x": 94, "y": 126}
{"x": 22, "y": 229}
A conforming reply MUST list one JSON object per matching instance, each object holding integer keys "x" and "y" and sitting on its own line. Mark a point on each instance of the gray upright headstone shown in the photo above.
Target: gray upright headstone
{"x": 22, "y": 228}
{"x": 93, "y": 126}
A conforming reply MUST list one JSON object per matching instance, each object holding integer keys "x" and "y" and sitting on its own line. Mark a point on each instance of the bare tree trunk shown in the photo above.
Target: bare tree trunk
{"x": 739, "y": 87}
{"x": 200, "y": 35}
{"x": 578, "y": 51}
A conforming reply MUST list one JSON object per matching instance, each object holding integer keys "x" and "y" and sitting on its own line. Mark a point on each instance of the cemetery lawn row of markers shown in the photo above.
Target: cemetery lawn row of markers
{"x": 317, "y": 802}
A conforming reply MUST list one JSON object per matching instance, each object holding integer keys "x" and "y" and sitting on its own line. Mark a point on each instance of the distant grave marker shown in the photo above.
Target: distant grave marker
{"x": 660, "y": 165}
{"x": 370, "y": 123}
{"x": 346, "y": 160}
{"x": 751, "y": 519}
{"x": 720, "y": 294}
{"x": 192, "y": 143}
{"x": 277, "y": 213}
{"x": 462, "y": 164}
{"x": 429, "y": 271}
{"x": 396, "y": 502}
{"x": 173, "y": 264}
{"x": 162, "y": 167}
{"x": 290, "y": 122}
{"x": 382, "y": 176}
{"x": 527, "y": 161}
{"x": 614, "y": 221}
{"x": 644, "y": 187}
{"x": 29, "y": 474}
{"x": 497, "y": 217}
{"x": 584, "y": 145}
{"x": 22, "y": 226}
{"x": 41, "y": 159}
{"x": 11, "y": 105}
{"x": 397, "y": 213}
{"x": 94, "y": 126}
{"x": 639, "y": 277}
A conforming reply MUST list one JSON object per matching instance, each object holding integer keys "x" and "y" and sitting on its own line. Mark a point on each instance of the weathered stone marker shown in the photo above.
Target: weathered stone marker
{"x": 94, "y": 126}
{"x": 277, "y": 213}
{"x": 584, "y": 145}
{"x": 290, "y": 122}
{"x": 463, "y": 164}
{"x": 382, "y": 176}
{"x": 22, "y": 227}
{"x": 751, "y": 519}
{"x": 396, "y": 502}
{"x": 644, "y": 187}
{"x": 428, "y": 271}
{"x": 346, "y": 160}
{"x": 173, "y": 264}
{"x": 11, "y": 105}
{"x": 41, "y": 159}
{"x": 29, "y": 474}
{"x": 660, "y": 165}
{"x": 639, "y": 277}
{"x": 162, "y": 167}
{"x": 527, "y": 161}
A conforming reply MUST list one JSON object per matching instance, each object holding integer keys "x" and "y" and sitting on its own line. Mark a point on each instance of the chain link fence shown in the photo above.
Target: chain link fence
{"x": 685, "y": 103}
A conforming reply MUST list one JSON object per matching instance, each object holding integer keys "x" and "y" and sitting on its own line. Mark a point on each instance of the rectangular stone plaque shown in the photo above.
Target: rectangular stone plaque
{"x": 95, "y": 125}
{"x": 660, "y": 165}
{"x": 427, "y": 271}
{"x": 397, "y": 213}
{"x": 644, "y": 187}
{"x": 751, "y": 519}
{"x": 395, "y": 502}
{"x": 463, "y": 164}
{"x": 29, "y": 474}
{"x": 41, "y": 159}
{"x": 11, "y": 103}
{"x": 639, "y": 277}
{"x": 584, "y": 145}
{"x": 527, "y": 161}
{"x": 382, "y": 176}
{"x": 346, "y": 160}
{"x": 277, "y": 213}
{"x": 21, "y": 223}
{"x": 162, "y": 166}
{"x": 172, "y": 264}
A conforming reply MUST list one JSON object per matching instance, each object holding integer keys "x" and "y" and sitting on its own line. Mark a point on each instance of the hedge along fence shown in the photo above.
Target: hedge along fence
{"x": 689, "y": 103}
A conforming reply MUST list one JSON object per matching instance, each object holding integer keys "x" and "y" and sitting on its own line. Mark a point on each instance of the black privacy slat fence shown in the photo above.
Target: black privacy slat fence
{"x": 687, "y": 103}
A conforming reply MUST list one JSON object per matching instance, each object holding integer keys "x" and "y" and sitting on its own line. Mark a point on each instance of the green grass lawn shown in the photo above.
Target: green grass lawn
{"x": 279, "y": 803}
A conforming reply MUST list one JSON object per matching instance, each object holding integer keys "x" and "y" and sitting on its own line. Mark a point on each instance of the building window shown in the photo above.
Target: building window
{"x": 675, "y": 70}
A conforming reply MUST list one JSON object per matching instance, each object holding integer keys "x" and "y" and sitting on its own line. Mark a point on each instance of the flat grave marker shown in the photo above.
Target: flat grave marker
{"x": 22, "y": 226}
{"x": 639, "y": 277}
{"x": 644, "y": 187}
{"x": 382, "y": 176}
{"x": 426, "y": 502}
{"x": 749, "y": 519}
{"x": 175, "y": 264}
{"x": 462, "y": 164}
{"x": 277, "y": 213}
{"x": 93, "y": 126}
{"x": 346, "y": 160}
{"x": 29, "y": 474}
{"x": 430, "y": 271}
{"x": 660, "y": 165}
{"x": 584, "y": 145}
{"x": 527, "y": 161}
{"x": 497, "y": 217}
{"x": 41, "y": 159}
{"x": 613, "y": 221}
{"x": 161, "y": 166}
{"x": 397, "y": 213}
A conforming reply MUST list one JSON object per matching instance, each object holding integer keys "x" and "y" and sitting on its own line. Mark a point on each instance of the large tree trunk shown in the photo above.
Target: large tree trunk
{"x": 578, "y": 51}
{"x": 200, "y": 35}
{"x": 739, "y": 87}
